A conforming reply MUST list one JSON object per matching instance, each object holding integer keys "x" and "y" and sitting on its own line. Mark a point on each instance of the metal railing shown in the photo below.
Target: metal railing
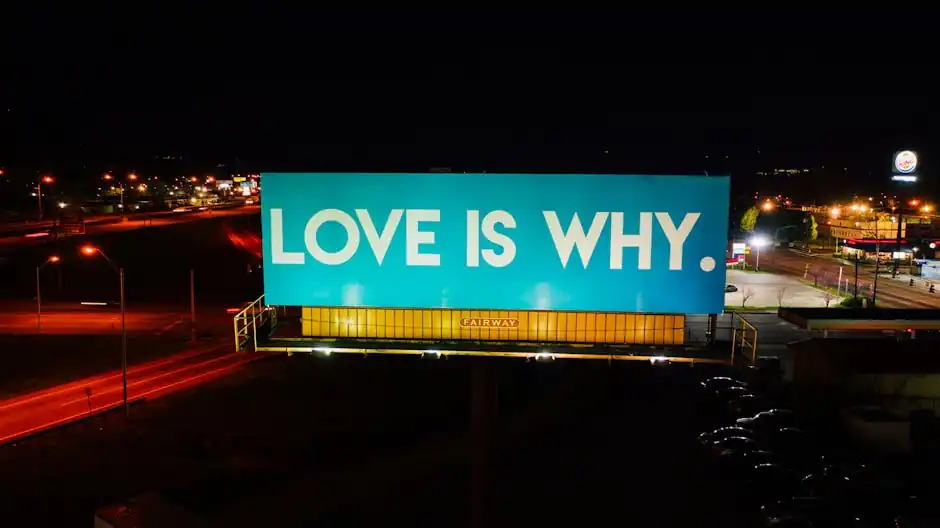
{"x": 743, "y": 338}
{"x": 247, "y": 321}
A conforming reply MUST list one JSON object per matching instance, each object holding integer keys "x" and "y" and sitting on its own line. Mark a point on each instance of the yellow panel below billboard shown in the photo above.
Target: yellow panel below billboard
{"x": 493, "y": 325}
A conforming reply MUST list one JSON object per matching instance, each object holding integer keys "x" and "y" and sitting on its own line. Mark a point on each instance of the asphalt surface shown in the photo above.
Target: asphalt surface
{"x": 355, "y": 442}
{"x": 773, "y": 290}
{"x": 156, "y": 262}
{"x": 133, "y": 223}
{"x": 56, "y": 406}
{"x": 96, "y": 317}
{"x": 891, "y": 293}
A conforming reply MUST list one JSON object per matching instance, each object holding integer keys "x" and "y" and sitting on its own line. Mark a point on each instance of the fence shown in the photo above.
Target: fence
{"x": 257, "y": 315}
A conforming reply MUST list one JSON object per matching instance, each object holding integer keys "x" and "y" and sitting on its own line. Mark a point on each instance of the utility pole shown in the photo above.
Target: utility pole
{"x": 192, "y": 305}
{"x": 874, "y": 288}
{"x": 897, "y": 259}
{"x": 856, "y": 274}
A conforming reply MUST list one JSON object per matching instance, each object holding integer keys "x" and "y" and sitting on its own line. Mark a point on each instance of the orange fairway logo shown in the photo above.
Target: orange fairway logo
{"x": 489, "y": 322}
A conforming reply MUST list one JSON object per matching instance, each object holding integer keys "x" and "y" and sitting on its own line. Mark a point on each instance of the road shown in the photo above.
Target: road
{"x": 35, "y": 412}
{"x": 891, "y": 293}
{"x": 75, "y": 318}
{"x": 132, "y": 224}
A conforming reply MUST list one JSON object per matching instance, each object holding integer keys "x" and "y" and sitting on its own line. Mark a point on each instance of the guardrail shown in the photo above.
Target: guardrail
{"x": 743, "y": 338}
{"x": 247, "y": 321}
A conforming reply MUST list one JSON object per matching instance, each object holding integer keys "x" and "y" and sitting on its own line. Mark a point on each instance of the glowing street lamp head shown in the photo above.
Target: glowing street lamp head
{"x": 89, "y": 250}
{"x": 47, "y": 179}
{"x": 107, "y": 176}
{"x": 132, "y": 176}
{"x": 759, "y": 241}
{"x": 834, "y": 212}
{"x": 768, "y": 205}
{"x": 54, "y": 258}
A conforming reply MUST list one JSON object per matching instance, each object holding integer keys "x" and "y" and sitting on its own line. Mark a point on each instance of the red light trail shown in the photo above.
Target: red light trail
{"x": 31, "y": 413}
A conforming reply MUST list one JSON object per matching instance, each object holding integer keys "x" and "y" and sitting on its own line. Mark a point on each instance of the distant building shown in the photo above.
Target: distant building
{"x": 845, "y": 228}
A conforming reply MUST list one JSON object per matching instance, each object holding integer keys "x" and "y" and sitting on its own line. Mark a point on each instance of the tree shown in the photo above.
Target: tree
{"x": 781, "y": 293}
{"x": 746, "y": 295}
{"x": 813, "y": 231}
{"x": 749, "y": 219}
{"x": 827, "y": 297}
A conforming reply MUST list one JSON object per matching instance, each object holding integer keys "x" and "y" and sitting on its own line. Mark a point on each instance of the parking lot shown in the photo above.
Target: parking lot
{"x": 771, "y": 290}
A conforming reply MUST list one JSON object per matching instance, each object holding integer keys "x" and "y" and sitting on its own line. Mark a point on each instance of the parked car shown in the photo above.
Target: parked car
{"x": 724, "y": 432}
{"x": 771, "y": 419}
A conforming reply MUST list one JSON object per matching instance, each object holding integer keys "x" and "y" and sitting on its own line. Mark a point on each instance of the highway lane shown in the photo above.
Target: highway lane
{"x": 891, "y": 293}
{"x": 74, "y": 318}
{"x": 132, "y": 224}
{"x": 35, "y": 412}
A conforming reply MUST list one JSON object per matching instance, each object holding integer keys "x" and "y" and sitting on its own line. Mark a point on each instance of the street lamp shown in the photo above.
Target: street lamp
{"x": 47, "y": 180}
{"x": 90, "y": 251}
{"x": 51, "y": 260}
{"x": 759, "y": 241}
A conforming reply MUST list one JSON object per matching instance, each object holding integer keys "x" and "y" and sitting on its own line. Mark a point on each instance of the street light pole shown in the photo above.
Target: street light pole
{"x": 90, "y": 251}
{"x": 38, "y": 303}
{"x": 123, "y": 343}
{"x": 39, "y": 197}
{"x": 192, "y": 305}
{"x": 757, "y": 264}
{"x": 39, "y": 293}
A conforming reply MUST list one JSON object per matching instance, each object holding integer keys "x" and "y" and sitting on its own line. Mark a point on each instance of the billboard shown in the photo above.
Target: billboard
{"x": 599, "y": 242}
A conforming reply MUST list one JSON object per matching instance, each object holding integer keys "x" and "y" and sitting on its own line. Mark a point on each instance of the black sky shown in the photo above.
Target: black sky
{"x": 474, "y": 89}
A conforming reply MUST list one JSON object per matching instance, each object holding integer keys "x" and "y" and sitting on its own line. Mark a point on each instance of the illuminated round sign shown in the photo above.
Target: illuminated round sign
{"x": 905, "y": 162}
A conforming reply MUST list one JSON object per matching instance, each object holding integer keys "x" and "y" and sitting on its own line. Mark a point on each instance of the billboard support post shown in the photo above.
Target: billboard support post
{"x": 482, "y": 414}
{"x": 712, "y": 328}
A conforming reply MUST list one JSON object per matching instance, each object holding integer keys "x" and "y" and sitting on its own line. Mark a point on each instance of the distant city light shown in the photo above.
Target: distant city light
{"x": 834, "y": 212}
{"x": 768, "y": 205}
{"x": 62, "y": 205}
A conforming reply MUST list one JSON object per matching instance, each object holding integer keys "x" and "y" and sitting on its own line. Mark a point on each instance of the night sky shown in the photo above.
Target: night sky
{"x": 549, "y": 90}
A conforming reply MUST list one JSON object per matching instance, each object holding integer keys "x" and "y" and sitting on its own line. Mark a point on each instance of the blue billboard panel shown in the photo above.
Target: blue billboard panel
{"x": 590, "y": 242}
